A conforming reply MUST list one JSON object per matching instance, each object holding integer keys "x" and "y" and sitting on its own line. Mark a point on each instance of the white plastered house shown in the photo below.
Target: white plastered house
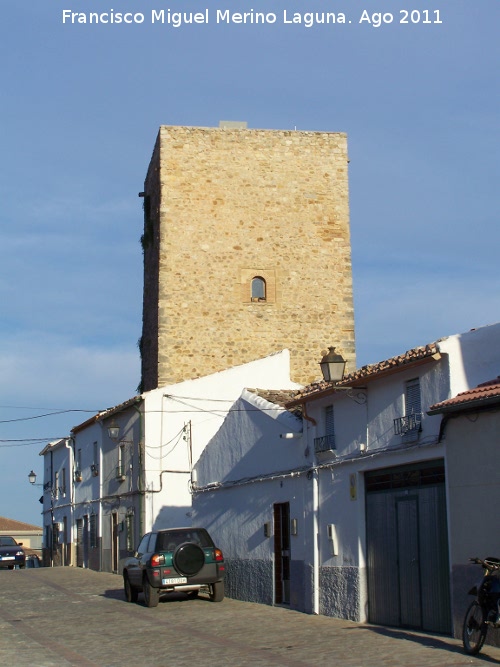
{"x": 123, "y": 483}
{"x": 345, "y": 513}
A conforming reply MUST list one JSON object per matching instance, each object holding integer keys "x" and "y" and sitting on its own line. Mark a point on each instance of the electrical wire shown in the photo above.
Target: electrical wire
{"x": 47, "y": 414}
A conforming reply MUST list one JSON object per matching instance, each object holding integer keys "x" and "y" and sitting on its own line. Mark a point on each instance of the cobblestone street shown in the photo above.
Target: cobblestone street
{"x": 70, "y": 616}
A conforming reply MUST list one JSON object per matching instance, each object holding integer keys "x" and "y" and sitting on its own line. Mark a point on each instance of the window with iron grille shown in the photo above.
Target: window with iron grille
{"x": 326, "y": 442}
{"x": 409, "y": 425}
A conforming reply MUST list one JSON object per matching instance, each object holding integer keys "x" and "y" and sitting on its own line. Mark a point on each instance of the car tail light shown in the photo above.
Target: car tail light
{"x": 157, "y": 560}
{"x": 218, "y": 555}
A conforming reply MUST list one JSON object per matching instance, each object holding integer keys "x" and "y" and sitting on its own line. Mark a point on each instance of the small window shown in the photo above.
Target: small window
{"x": 258, "y": 289}
{"x": 120, "y": 468}
{"x": 329, "y": 424}
{"x": 412, "y": 398}
{"x": 413, "y": 411}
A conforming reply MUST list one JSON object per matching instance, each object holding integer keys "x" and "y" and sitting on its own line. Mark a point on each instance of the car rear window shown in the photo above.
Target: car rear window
{"x": 169, "y": 541}
{"x": 7, "y": 542}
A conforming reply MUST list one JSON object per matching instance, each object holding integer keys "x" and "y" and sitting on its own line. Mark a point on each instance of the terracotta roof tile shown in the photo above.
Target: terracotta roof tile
{"x": 371, "y": 371}
{"x": 487, "y": 391}
{"x": 14, "y": 526}
{"x": 278, "y": 396}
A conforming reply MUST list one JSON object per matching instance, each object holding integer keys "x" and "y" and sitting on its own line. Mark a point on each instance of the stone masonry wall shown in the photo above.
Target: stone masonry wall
{"x": 228, "y": 205}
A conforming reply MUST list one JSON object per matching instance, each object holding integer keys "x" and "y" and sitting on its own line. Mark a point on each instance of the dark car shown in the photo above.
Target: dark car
{"x": 11, "y": 554}
{"x": 178, "y": 559}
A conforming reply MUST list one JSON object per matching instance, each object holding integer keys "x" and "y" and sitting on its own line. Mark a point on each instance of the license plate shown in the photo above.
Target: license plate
{"x": 7, "y": 558}
{"x": 174, "y": 580}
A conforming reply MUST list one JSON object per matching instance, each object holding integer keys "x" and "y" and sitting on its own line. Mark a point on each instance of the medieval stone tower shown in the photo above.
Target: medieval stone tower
{"x": 246, "y": 251}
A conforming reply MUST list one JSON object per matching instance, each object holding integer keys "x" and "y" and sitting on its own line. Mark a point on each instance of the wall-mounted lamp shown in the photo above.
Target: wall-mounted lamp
{"x": 114, "y": 431}
{"x": 32, "y": 479}
{"x": 332, "y": 366}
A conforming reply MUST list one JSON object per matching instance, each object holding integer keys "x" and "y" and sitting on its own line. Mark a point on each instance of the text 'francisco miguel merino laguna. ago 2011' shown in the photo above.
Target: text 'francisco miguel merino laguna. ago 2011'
{"x": 226, "y": 17}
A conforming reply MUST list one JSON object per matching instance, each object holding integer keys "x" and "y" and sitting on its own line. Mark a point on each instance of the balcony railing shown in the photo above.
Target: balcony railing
{"x": 409, "y": 424}
{"x": 326, "y": 443}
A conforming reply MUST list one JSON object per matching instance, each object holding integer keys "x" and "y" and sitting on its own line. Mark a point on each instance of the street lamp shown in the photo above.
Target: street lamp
{"x": 332, "y": 366}
{"x": 114, "y": 431}
{"x": 32, "y": 478}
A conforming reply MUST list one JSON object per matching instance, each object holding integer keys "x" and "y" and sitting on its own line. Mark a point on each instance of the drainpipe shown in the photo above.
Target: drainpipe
{"x": 70, "y": 482}
{"x": 315, "y": 481}
{"x": 140, "y": 472}
{"x": 315, "y": 515}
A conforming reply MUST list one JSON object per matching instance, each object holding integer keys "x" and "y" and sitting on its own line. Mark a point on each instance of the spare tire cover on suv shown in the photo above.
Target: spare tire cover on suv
{"x": 189, "y": 559}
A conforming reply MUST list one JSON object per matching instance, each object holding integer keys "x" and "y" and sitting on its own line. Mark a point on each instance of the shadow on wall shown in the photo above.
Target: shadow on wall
{"x": 479, "y": 350}
{"x": 173, "y": 517}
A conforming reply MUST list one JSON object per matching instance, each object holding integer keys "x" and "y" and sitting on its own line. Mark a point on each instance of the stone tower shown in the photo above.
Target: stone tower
{"x": 246, "y": 251}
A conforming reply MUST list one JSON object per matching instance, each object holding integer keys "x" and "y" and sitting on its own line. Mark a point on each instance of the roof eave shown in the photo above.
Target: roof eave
{"x": 466, "y": 406}
{"x": 360, "y": 382}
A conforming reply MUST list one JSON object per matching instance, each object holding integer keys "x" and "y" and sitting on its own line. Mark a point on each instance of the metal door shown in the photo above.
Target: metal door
{"x": 408, "y": 561}
{"x": 282, "y": 553}
{"x": 407, "y": 547}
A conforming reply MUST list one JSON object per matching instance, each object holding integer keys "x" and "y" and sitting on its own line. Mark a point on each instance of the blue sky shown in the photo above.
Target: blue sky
{"x": 80, "y": 109}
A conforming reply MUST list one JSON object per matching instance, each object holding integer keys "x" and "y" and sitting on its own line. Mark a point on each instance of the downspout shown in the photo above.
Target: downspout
{"x": 315, "y": 481}
{"x": 140, "y": 472}
{"x": 71, "y": 496}
{"x": 51, "y": 489}
{"x": 315, "y": 517}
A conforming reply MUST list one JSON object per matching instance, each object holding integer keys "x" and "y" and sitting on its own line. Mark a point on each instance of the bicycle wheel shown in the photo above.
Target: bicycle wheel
{"x": 474, "y": 631}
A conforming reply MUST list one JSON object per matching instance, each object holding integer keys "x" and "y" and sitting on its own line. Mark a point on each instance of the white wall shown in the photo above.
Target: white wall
{"x": 245, "y": 469}
{"x": 476, "y": 357}
{"x": 203, "y": 403}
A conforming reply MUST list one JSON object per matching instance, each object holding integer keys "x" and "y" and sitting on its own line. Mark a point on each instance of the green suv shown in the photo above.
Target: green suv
{"x": 177, "y": 559}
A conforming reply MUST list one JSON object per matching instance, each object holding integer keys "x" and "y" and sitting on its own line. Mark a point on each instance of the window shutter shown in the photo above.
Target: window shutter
{"x": 413, "y": 403}
{"x": 329, "y": 425}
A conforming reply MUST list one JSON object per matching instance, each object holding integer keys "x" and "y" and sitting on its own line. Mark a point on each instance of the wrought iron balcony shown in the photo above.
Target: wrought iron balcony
{"x": 326, "y": 443}
{"x": 409, "y": 424}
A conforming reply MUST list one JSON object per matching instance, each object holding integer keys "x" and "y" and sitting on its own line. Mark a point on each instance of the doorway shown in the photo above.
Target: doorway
{"x": 114, "y": 542}
{"x": 282, "y": 553}
{"x": 407, "y": 547}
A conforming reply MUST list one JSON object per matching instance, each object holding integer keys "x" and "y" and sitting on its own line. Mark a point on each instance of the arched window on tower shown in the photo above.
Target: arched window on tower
{"x": 258, "y": 289}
